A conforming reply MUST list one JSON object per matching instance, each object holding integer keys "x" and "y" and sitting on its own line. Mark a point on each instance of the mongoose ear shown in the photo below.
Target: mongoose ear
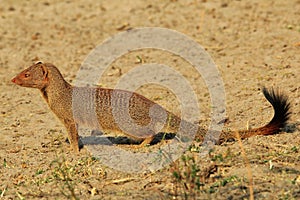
{"x": 38, "y": 62}
{"x": 45, "y": 71}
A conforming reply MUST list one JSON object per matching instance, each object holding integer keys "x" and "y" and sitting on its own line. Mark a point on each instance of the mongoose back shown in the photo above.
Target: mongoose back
{"x": 125, "y": 111}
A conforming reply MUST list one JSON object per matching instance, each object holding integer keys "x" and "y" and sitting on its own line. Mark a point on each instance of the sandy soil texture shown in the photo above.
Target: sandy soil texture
{"x": 254, "y": 43}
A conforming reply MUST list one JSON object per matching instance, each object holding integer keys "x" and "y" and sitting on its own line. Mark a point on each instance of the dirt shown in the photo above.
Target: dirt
{"x": 253, "y": 43}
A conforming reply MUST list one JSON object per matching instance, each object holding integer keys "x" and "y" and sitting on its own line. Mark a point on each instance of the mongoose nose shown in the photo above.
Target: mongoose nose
{"x": 13, "y": 80}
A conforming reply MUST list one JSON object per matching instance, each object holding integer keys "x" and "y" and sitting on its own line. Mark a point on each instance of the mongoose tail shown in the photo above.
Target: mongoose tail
{"x": 281, "y": 107}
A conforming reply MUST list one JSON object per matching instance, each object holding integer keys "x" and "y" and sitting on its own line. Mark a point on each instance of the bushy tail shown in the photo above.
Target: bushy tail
{"x": 281, "y": 107}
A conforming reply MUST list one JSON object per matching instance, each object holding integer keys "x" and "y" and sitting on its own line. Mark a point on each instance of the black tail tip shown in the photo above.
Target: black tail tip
{"x": 281, "y": 106}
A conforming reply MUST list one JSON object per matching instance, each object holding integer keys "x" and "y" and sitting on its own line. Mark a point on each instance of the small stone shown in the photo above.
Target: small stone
{"x": 11, "y": 8}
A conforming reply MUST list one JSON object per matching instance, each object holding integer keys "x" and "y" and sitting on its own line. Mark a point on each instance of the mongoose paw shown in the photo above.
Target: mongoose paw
{"x": 80, "y": 143}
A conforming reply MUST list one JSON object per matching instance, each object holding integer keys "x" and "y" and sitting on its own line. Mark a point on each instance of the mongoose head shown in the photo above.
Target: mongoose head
{"x": 35, "y": 76}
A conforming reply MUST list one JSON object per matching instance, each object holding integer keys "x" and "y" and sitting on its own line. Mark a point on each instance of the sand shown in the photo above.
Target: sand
{"x": 253, "y": 44}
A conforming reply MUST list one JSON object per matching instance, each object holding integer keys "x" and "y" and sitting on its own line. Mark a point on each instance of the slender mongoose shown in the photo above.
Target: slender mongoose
{"x": 111, "y": 106}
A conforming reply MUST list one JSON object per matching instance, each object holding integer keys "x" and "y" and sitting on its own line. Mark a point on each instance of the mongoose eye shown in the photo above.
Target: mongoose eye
{"x": 26, "y": 75}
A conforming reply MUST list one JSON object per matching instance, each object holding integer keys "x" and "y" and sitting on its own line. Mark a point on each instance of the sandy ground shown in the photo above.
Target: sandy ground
{"x": 253, "y": 43}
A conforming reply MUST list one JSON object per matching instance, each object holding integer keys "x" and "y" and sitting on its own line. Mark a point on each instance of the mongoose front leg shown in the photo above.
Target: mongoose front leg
{"x": 72, "y": 135}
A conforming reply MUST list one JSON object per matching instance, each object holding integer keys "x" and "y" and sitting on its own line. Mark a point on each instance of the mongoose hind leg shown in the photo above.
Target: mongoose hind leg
{"x": 146, "y": 142}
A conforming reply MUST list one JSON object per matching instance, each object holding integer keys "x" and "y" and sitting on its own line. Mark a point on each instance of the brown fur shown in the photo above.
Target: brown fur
{"x": 105, "y": 109}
